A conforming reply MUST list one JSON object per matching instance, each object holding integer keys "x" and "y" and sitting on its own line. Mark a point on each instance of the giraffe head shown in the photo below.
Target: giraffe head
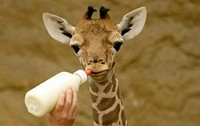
{"x": 96, "y": 42}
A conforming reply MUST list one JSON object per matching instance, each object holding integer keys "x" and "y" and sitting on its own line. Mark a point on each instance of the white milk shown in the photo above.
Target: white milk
{"x": 42, "y": 99}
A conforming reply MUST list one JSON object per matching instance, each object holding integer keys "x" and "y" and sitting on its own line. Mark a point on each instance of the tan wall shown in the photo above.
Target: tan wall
{"x": 159, "y": 70}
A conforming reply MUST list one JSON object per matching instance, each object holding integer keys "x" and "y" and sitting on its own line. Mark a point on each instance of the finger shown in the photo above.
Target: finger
{"x": 74, "y": 113}
{"x": 68, "y": 100}
{"x": 73, "y": 108}
{"x": 60, "y": 103}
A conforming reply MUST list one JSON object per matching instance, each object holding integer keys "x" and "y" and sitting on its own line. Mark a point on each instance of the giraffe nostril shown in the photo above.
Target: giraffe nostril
{"x": 95, "y": 61}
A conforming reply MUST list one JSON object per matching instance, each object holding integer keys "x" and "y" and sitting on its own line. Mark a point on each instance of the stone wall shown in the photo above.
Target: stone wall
{"x": 159, "y": 71}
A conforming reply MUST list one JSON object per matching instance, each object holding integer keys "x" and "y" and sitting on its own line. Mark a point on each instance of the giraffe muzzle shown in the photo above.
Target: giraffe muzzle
{"x": 99, "y": 76}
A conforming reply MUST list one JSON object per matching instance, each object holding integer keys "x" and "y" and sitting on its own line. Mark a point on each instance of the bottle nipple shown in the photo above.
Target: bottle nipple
{"x": 88, "y": 72}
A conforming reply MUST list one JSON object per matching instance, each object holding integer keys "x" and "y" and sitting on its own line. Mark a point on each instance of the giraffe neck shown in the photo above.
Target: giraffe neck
{"x": 107, "y": 104}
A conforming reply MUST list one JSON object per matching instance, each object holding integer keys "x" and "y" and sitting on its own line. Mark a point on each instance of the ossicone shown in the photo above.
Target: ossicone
{"x": 89, "y": 13}
{"x": 104, "y": 12}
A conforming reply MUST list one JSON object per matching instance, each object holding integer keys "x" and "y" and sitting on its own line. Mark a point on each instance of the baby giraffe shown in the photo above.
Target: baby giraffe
{"x": 96, "y": 43}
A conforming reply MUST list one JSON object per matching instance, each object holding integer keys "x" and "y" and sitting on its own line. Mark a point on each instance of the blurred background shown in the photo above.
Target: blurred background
{"x": 158, "y": 71}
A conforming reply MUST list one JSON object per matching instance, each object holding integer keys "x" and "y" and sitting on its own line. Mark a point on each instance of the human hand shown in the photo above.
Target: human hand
{"x": 65, "y": 110}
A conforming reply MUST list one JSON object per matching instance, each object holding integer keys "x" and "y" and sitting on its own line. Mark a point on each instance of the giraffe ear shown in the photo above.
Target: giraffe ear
{"x": 58, "y": 28}
{"x": 132, "y": 23}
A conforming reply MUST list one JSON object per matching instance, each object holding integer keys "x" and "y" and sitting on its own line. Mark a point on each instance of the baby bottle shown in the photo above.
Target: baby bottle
{"x": 42, "y": 99}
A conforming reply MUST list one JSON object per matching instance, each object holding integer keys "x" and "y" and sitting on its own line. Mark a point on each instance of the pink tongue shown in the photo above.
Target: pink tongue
{"x": 88, "y": 72}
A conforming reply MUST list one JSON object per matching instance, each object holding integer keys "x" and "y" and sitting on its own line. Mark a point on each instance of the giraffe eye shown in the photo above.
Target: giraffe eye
{"x": 117, "y": 45}
{"x": 75, "y": 48}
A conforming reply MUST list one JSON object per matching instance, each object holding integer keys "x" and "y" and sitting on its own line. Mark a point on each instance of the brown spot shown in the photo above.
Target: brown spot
{"x": 123, "y": 117}
{"x": 94, "y": 88}
{"x": 95, "y": 115}
{"x": 114, "y": 85}
{"x": 111, "y": 117}
{"x": 106, "y": 103}
{"x": 108, "y": 88}
{"x": 94, "y": 98}
{"x": 104, "y": 82}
